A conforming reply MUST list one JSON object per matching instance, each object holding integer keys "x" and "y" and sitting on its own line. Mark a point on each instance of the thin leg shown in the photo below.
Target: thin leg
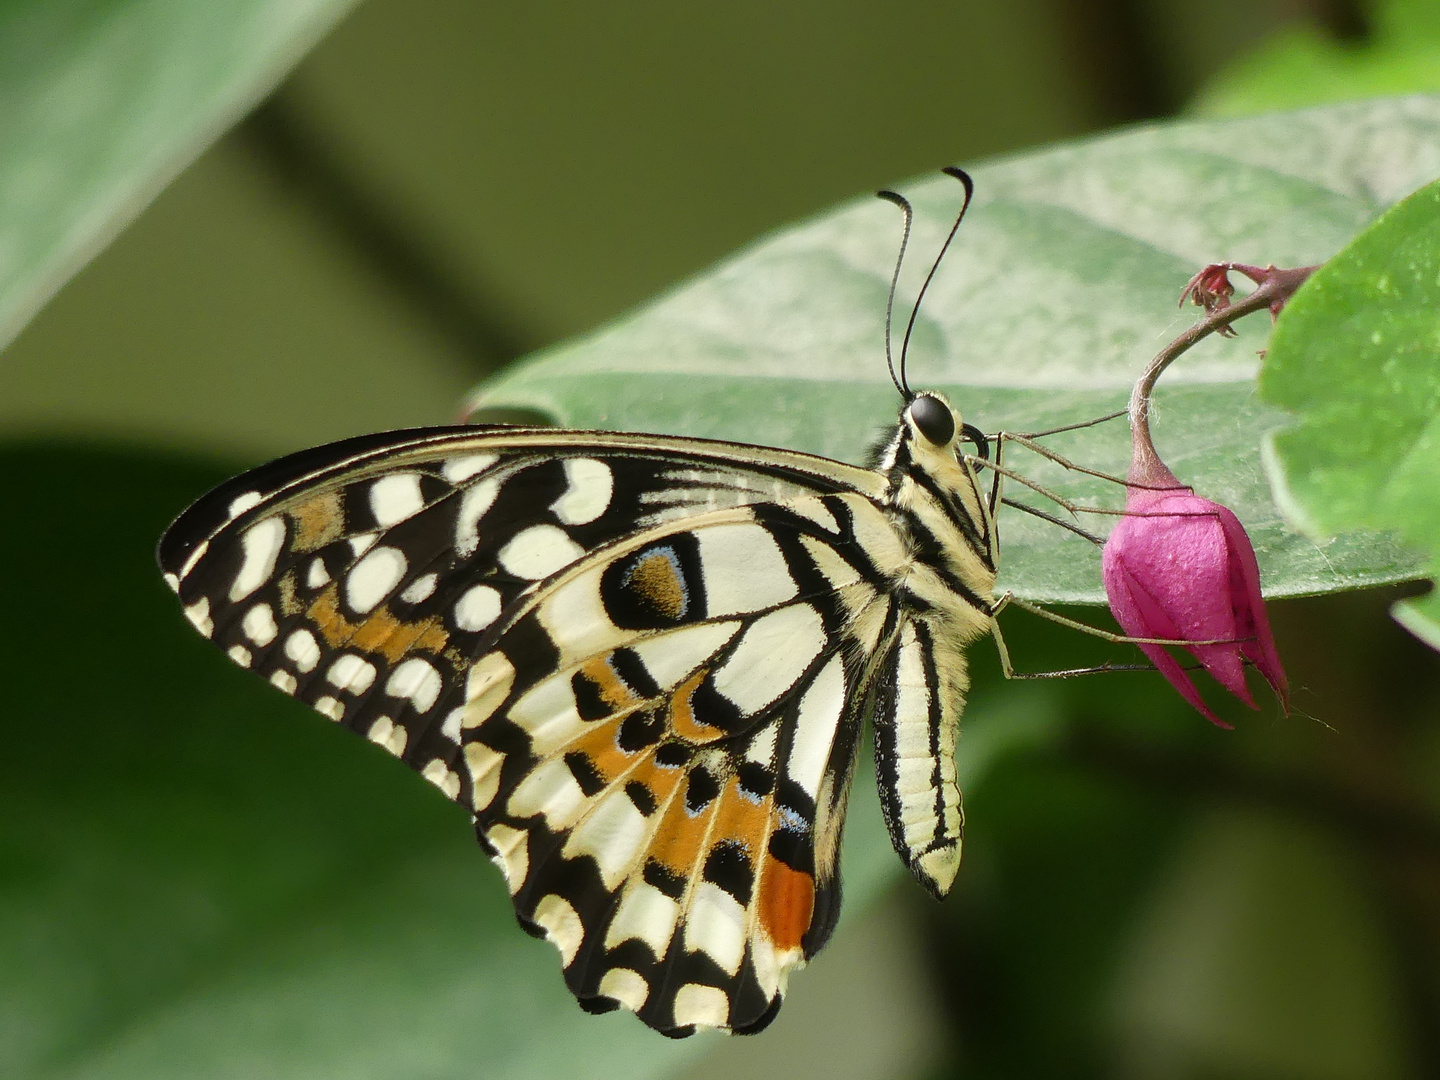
{"x": 1076, "y": 427}
{"x": 1008, "y": 669}
{"x": 1053, "y": 520}
{"x": 1006, "y": 599}
{"x": 1055, "y": 497}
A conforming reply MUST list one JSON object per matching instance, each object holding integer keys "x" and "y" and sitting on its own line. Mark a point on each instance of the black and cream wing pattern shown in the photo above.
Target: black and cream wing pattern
{"x": 641, "y": 663}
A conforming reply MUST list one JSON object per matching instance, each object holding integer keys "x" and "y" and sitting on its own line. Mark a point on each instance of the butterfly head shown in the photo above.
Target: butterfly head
{"x": 931, "y": 427}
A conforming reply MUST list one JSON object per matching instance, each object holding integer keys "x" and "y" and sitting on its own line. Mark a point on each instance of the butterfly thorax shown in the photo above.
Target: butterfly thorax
{"x": 935, "y": 504}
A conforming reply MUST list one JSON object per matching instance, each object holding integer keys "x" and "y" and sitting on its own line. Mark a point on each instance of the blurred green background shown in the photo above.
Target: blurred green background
{"x": 198, "y": 878}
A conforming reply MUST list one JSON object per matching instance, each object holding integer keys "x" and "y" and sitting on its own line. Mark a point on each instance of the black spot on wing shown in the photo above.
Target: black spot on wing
{"x": 663, "y": 878}
{"x": 728, "y": 866}
{"x": 657, "y": 587}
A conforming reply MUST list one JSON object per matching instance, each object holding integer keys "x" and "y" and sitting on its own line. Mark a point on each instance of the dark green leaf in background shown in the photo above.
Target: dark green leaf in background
{"x": 1062, "y": 283}
{"x": 1356, "y": 359}
{"x": 103, "y": 102}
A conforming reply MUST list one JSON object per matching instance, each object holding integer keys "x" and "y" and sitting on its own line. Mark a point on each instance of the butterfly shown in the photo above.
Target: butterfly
{"x": 642, "y": 663}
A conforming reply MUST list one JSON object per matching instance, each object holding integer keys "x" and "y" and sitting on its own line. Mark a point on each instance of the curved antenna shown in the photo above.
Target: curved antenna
{"x": 904, "y": 205}
{"x": 964, "y": 178}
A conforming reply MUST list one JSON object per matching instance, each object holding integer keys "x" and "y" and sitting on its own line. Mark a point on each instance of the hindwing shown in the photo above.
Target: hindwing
{"x": 640, "y": 662}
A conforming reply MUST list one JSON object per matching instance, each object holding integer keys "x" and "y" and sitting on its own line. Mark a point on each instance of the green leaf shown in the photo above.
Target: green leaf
{"x": 103, "y": 102}
{"x": 1356, "y": 359}
{"x": 1303, "y": 66}
{"x": 1062, "y": 283}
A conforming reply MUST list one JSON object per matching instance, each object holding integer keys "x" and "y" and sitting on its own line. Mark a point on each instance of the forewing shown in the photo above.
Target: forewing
{"x": 639, "y": 662}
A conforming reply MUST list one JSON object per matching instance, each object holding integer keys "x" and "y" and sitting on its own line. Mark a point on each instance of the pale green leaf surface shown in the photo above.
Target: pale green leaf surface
{"x": 1356, "y": 359}
{"x": 1062, "y": 283}
{"x": 102, "y": 102}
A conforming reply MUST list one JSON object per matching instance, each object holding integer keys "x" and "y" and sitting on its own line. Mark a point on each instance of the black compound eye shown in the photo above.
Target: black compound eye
{"x": 934, "y": 419}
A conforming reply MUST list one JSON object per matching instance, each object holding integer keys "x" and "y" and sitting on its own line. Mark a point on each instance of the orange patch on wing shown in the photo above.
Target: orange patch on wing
{"x": 785, "y": 904}
{"x": 741, "y": 819}
{"x": 682, "y": 717}
{"x": 606, "y": 757}
{"x": 318, "y": 521}
{"x": 660, "y": 780}
{"x": 381, "y": 633}
{"x": 680, "y": 838}
{"x": 612, "y": 690}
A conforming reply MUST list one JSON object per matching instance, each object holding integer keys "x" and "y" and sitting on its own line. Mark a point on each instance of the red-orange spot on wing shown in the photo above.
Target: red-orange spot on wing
{"x": 785, "y": 904}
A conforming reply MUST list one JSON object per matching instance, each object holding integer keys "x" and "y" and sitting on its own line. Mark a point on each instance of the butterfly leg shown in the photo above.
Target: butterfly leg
{"x": 1006, "y": 599}
{"x": 1008, "y": 669}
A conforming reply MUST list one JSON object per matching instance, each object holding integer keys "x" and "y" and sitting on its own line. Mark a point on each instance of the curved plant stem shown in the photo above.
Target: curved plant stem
{"x": 1277, "y": 287}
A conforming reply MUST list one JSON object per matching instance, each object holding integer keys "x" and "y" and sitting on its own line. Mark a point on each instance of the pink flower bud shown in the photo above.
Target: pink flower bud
{"x": 1181, "y": 567}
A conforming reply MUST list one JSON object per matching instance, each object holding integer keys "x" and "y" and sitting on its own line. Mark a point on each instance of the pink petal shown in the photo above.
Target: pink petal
{"x": 1139, "y": 615}
{"x": 1248, "y": 603}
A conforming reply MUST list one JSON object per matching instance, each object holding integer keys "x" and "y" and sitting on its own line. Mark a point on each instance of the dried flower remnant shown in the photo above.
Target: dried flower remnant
{"x": 1181, "y": 567}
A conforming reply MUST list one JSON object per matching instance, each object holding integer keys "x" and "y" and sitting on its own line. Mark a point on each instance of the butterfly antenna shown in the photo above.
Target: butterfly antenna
{"x": 904, "y": 205}
{"x": 964, "y": 178}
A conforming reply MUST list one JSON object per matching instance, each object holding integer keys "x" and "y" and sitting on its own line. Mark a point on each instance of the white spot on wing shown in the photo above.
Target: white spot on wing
{"x": 241, "y": 503}
{"x": 771, "y": 656}
{"x": 326, "y": 705}
{"x": 706, "y": 1006}
{"x": 260, "y": 545}
{"x": 512, "y": 853}
{"x": 417, "y": 680}
{"x": 550, "y": 790}
{"x": 361, "y": 543}
{"x": 613, "y": 832}
{"x": 316, "y": 576}
{"x": 547, "y": 714}
{"x": 462, "y": 468}
{"x": 762, "y": 748}
{"x": 283, "y": 680}
{"x": 350, "y": 672}
{"x": 591, "y": 484}
{"x": 744, "y": 569}
{"x": 420, "y": 589}
{"x": 575, "y": 618}
{"x": 539, "y": 551}
{"x": 373, "y": 578}
{"x": 441, "y": 775}
{"x": 199, "y": 615}
{"x": 450, "y": 728}
{"x": 670, "y": 656}
{"x": 715, "y": 925}
{"x": 819, "y": 718}
{"x": 477, "y": 608}
{"x": 487, "y": 684}
{"x": 259, "y": 624}
{"x": 484, "y": 764}
{"x": 396, "y": 497}
{"x": 473, "y": 505}
{"x": 301, "y": 648}
{"x": 645, "y": 914}
{"x": 562, "y": 924}
{"x": 625, "y": 986}
{"x": 392, "y": 736}
{"x": 240, "y": 654}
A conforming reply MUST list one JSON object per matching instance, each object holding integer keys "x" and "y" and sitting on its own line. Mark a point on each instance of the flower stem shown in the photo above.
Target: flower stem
{"x": 1272, "y": 292}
